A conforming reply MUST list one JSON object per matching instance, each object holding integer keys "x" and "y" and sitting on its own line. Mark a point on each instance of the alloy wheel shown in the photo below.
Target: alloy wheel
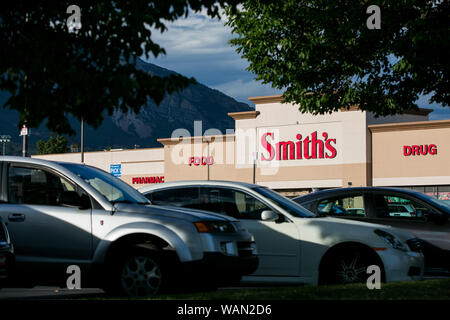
{"x": 141, "y": 276}
{"x": 351, "y": 270}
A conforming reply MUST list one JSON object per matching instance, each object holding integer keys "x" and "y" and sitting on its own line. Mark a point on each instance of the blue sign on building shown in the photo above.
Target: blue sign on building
{"x": 116, "y": 170}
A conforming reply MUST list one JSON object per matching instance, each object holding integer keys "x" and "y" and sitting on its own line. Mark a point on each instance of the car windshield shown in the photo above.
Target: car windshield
{"x": 113, "y": 189}
{"x": 445, "y": 202}
{"x": 437, "y": 203}
{"x": 287, "y": 204}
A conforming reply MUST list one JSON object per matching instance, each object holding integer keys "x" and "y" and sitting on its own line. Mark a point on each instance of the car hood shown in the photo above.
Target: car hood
{"x": 187, "y": 214}
{"x": 350, "y": 226}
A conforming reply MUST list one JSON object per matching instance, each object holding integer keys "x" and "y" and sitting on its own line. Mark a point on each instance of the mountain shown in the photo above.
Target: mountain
{"x": 178, "y": 110}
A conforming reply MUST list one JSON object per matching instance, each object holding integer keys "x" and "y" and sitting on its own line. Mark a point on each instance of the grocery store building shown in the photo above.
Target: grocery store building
{"x": 277, "y": 146}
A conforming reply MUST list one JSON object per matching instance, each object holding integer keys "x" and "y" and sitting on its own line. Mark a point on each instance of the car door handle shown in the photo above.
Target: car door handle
{"x": 16, "y": 217}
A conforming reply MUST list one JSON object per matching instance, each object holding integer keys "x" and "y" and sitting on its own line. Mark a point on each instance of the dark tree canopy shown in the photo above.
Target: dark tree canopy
{"x": 324, "y": 57}
{"x": 53, "y": 145}
{"x": 51, "y": 73}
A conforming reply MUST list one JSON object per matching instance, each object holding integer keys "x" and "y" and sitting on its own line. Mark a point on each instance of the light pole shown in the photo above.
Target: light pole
{"x": 207, "y": 157}
{"x": 4, "y": 139}
{"x": 255, "y": 158}
{"x": 24, "y": 133}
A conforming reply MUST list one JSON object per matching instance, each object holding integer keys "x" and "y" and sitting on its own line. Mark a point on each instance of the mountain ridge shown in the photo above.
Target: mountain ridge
{"x": 129, "y": 130}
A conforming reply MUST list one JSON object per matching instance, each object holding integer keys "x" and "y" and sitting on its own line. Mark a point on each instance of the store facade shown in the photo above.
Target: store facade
{"x": 414, "y": 155}
{"x": 277, "y": 146}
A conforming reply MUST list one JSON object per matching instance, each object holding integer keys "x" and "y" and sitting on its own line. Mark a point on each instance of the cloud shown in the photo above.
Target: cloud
{"x": 197, "y": 34}
{"x": 439, "y": 112}
{"x": 198, "y": 47}
{"x": 241, "y": 90}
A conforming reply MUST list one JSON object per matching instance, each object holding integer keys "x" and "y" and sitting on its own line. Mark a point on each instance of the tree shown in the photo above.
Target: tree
{"x": 324, "y": 56}
{"x": 56, "y": 144}
{"x": 52, "y": 72}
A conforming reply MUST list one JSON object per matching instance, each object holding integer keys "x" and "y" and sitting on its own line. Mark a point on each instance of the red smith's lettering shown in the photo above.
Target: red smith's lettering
{"x": 144, "y": 180}
{"x": 416, "y": 150}
{"x": 303, "y": 148}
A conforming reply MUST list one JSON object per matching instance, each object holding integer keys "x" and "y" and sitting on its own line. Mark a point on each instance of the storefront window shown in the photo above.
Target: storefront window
{"x": 443, "y": 194}
{"x": 437, "y": 192}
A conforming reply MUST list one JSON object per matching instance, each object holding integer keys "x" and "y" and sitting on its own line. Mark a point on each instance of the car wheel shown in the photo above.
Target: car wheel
{"x": 139, "y": 273}
{"x": 349, "y": 266}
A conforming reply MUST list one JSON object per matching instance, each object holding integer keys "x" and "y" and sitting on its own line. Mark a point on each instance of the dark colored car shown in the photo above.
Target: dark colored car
{"x": 415, "y": 212}
{"x": 6, "y": 253}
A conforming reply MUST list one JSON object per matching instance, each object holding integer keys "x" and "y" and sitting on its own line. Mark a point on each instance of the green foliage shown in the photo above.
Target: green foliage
{"x": 52, "y": 73}
{"x": 324, "y": 57}
{"x": 56, "y": 144}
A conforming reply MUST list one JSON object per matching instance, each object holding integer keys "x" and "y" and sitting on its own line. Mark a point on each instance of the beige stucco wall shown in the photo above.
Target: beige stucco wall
{"x": 134, "y": 162}
{"x": 176, "y": 161}
{"x": 220, "y": 148}
{"x": 349, "y": 128}
{"x": 352, "y": 125}
{"x": 350, "y": 164}
{"x": 391, "y": 167}
{"x": 323, "y": 176}
{"x": 283, "y": 178}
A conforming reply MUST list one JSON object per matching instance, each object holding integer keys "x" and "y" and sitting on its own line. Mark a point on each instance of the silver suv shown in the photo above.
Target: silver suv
{"x": 63, "y": 214}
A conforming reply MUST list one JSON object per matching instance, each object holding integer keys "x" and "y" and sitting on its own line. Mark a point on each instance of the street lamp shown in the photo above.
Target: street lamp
{"x": 255, "y": 159}
{"x": 4, "y": 139}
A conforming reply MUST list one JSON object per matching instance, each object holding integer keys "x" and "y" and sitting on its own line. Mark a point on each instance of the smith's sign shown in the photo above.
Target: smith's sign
{"x": 312, "y": 146}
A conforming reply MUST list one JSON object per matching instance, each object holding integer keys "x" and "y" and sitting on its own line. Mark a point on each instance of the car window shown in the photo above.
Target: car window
{"x": 342, "y": 206}
{"x": 110, "y": 187}
{"x": 35, "y": 186}
{"x": 232, "y": 202}
{"x": 292, "y": 207}
{"x": 310, "y": 205}
{"x": 179, "y": 197}
{"x": 398, "y": 207}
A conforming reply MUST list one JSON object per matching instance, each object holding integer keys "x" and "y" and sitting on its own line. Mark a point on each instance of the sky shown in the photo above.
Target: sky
{"x": 198, "y": 47}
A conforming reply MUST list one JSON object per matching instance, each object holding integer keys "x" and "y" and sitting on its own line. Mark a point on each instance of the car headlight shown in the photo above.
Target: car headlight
{"x": 214, "y": 227}
{"x": 391, "y": 239}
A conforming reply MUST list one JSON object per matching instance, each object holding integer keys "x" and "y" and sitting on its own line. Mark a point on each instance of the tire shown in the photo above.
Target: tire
{"x": 138, "y": 273}
{"x": 347, "y": 266}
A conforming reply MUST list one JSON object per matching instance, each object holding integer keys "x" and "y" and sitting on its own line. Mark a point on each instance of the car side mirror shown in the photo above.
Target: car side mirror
{"x": 72, "y": 199}
{"x": 269, "y": 215}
